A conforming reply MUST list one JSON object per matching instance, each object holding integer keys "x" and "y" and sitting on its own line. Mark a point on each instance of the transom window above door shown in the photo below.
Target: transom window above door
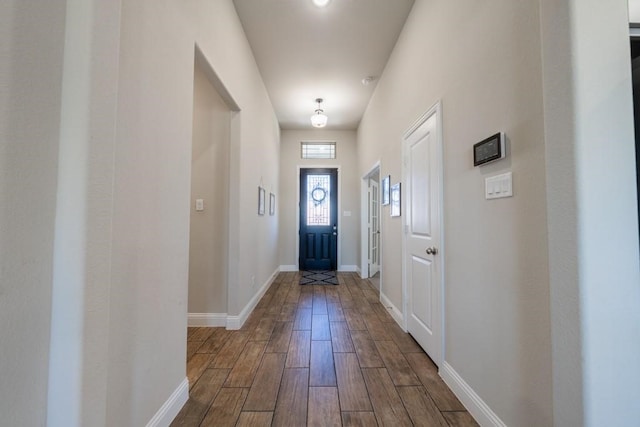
{"x": 318, "y": 150}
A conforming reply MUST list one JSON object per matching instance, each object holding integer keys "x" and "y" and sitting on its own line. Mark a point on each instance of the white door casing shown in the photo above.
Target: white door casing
{"x": 374, "y": 228}
{"x": 423, "y": 266}
{"x": 364, "y": 221}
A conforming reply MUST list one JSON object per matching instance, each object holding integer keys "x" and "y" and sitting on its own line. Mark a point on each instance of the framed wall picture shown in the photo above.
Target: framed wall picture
{"x": 261, "y": 201}
{"x": 395, "y": 197}
{"x": 272, "y": 204}
{"x": 385, "y": 190}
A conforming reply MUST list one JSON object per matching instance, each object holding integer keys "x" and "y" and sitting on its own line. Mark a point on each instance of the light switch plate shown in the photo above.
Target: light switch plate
{"x": 199, "y": 205}
{"x": 498, "y": 186}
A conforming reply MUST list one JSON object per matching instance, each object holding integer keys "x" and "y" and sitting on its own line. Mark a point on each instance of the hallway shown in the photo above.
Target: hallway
{"x": 315, "y": 355}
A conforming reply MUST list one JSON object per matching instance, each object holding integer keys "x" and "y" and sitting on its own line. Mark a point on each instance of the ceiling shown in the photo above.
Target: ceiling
{"x": 305, "y": 52}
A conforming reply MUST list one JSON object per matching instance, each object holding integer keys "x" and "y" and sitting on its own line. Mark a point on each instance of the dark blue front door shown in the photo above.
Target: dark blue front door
{"x": 318, "y": 219}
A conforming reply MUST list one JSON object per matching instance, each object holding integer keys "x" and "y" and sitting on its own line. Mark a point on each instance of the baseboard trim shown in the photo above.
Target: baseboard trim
{"x": 236, "y": 322}
{"x": 207, "y": 319}
{"x": 469, "y": 398}
{"x": 348, "y": 268}
{"x": 288, "y": 268}
{"x": 169, "y": 410}
{"x": 393, "y": 310}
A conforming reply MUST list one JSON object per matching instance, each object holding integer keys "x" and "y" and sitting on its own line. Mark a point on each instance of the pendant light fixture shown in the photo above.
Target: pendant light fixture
{"x": 319, "y": 119}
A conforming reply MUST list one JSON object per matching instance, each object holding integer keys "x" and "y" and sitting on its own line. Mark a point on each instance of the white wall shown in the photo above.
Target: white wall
{"x": 255, "y": 146}
{"x": 208, "y": 245}
{"x": 634, "y": 11}
{"x": 31, "y": 48}
{"x": 483, "y": 61}
{"x": 107, "y": 93}
{"x": 82, "y": 251}
{"x": 152, "y": 198}
{"x": 593, "y": 231}
{"x": 348, "y": 192}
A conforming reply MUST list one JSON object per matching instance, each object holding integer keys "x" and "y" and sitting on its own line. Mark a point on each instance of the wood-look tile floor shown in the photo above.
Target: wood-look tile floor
{"x": 316, "y": 356}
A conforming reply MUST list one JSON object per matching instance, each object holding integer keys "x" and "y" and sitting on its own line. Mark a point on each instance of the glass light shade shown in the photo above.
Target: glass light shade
{"x": 319, "y": 120}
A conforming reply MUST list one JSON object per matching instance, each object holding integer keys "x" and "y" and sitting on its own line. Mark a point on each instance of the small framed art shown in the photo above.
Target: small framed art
{"x": 261, "y": 201}
{"x": 385, "y": 190}
{"x": 395, "y": 197}
{"x": 272, "y": 204}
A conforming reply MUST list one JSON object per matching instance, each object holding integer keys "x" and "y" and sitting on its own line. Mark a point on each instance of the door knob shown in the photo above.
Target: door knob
{"x": 432, "y": 251}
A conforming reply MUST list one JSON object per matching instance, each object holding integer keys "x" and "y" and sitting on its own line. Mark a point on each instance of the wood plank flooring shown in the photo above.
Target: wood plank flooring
{"x": 315, "y": 355}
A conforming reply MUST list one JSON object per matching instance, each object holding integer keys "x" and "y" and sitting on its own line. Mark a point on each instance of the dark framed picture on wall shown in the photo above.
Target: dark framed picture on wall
{"x": 384, "y": 188}
{"x": 395, "y": 199}
{"x": 261, "y": 201}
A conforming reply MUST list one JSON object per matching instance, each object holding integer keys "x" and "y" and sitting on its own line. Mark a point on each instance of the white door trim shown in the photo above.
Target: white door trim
{"x": 437, "y": 110}
{"x": 374, "y": 236}
{"x": 364, "y": 245}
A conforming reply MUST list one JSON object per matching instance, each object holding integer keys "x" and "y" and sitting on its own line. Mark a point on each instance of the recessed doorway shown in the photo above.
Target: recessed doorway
{"x": 318, "y": 219}
{"x": 208, "y": 241}
{"x": 212, "y": 232}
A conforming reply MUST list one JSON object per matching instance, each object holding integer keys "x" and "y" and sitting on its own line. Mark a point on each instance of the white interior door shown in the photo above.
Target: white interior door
{"x": 374, "y": 228}
{"x": 423, "y": 266}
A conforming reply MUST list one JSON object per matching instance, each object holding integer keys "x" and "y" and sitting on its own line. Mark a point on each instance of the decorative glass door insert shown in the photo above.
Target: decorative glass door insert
{"x": 318, "y": 200}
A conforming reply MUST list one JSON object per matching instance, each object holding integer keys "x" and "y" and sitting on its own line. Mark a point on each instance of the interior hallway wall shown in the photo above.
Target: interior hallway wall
{"x": 31, "y": 62}
{"x": 349, "y": 192}
{"x": 119, "y": 210}
{"x": 209, "y": 231}
{"x": 594, "y": 262}
{"x": 152, "y": 197}
{"x": 482, "y": 60}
